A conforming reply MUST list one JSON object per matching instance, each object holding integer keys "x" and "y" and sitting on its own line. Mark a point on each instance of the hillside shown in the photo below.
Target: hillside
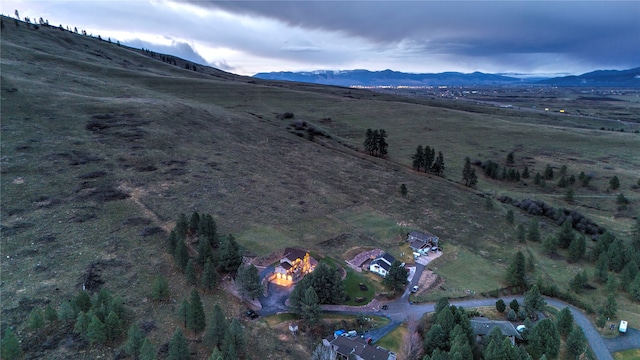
{"x": 103, "y": 146}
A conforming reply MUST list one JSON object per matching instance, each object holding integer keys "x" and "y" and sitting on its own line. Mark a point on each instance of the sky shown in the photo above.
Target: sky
{"x": 428, "y": 36}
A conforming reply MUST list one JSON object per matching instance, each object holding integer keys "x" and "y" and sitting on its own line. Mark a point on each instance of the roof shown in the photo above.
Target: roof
{"x": 285, "y": 265}
{"x": 345, "y": 346}
{"x": 381, "y": 263}
{"x": 482, "y": 326}
{"x": 293, "y": 254}
{"x": 418, "y": 244}
{"x": 422, "y": 236}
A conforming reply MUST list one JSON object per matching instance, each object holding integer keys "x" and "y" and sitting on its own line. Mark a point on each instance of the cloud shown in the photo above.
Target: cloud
{"x": 178, "y": 49}
{"x": 592, "y": 33}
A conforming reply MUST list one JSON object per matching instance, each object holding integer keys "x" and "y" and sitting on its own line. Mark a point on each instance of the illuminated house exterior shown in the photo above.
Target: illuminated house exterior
{"x": 294, "y": 265}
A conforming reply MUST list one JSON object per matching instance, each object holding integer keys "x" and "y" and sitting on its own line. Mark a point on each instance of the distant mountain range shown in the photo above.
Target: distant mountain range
{"x": 600, "y": 78}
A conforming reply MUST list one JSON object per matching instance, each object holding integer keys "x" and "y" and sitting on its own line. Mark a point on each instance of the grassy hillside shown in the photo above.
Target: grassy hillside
{"x": 103, "y": 144}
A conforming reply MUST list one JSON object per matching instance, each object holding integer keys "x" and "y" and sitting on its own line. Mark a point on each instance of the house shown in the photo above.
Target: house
{"x": 381, "y": 264}
{"x": 294, "y": 265}
{"x": 421, "y": 242}
{"x": 357, "y": 348}
{"x": 483, "y": 327}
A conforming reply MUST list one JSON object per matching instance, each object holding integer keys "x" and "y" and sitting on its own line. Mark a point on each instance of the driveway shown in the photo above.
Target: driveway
{"x": 275, "y": 302}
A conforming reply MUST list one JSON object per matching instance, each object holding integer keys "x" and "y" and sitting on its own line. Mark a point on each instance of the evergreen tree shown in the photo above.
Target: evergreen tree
{"x": 501, "y": 306}
{"x": 548, "y": 173}
{"x": 550, "y": 244}
{"x": 196, "y": 321}
{"x": 533, "y": 233}
{"x": 66, "y": 313}
{"x": 634, "y": 288}
{"x": 435, "y": 339}
{"x": 396, "y": 278}
{"x": 248, "y": 280}
{"x": 310, "y": 309}
{"x": 190, "y": 273}
{"x": 438, "y": 165}
{"x": 182, "y": 225}
{"x": 147, "y": 350}
{"x": 194, "y": 222}
{"x": 209, "y": 277}
{"x": 544, "y": 339}
{"x": 516, "y": 273}
{"x": 569, "y": 197}
{"x": 205, "y": 251}
{"x": 537, "y": 179}
{"x": 520, "y": 233}
{"x": 576, "y": 343}
{"x": 616, "y": 254}
{"x": 375, "y": 143}
{"x": 510, "y": 159}
{"x": 442, "y": 303}
{"x": 531, "y": 264}
{"x": 135, "y": 338}
{"x": 610, "y": 307}
{"x": 564, "y": 321}
{"x": 96, "y": 331}
{"x": 614, "y": 183}
{"x": 217, "y": 354}
{"x": 113, "y": 327}
{"x": 577, "y": 249}
{"x": 512, "y": 315}
{"x": 183, "y": 311}
{"x": 82, "y": 302}
{"x": 525, "y": 172}
{"x": 510, "y": 216}
{"x": 418, "y": 158}
{"x": 160, "y": 289}
{"x": 602, "y": 268}
{"x": 10, "y": 348}
{"x": 579, "y": 281}
{"x": 368, "y": 141}
{"x": 382, "y": 143}
{"x": 234, "y": 341}
{"x": 178, "y": 347}
{"x": 446, "y": 319}
{"x": 50, "y": 314}
{"x": 216, "y": 328}
{"x": 466, "y": 171}
{"x": 182, "y": 255}
{"x": 82, "y": 323}
{"x": 514, "y": 305}
{"x": 230, "y": 255}
{"x": 565, "y": 235}
{"x": 208, "y": 230}
{"x": 36, "y": 319}
{"x": 628, "y": 274}
{"x": 429, "y": 157}
{"x": 533, "y": 300}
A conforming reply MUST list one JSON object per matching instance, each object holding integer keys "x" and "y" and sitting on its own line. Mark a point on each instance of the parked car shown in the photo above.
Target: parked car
{"x": 414, "y": 289}
{"x": 252, "y": 314}
{"x": 385, "y": 307}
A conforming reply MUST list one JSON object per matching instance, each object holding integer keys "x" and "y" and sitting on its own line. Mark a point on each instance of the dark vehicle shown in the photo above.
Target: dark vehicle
{"x": 384, "y": 307}
{"x": 252, "y": 314}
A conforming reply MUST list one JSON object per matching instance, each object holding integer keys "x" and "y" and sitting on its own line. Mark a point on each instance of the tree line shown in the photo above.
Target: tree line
{"x": 425, "y": 159}
{"x": 375, "y": 142}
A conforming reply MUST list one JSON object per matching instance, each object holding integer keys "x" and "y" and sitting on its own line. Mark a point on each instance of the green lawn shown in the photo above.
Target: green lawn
{"x": 627, "y": 355}
{"x": 352, "y": 287}
{"x": 393, "y": 340}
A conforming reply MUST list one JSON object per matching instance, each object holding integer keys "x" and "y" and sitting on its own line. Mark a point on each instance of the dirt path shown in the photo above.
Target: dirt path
{"x": 135, "y": 195}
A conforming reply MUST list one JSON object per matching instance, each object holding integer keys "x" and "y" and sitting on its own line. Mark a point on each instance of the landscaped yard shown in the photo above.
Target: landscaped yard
{"x": 354, "y": 290}
{"x": 627, "y": 355}
{"x": 393, "y": 340}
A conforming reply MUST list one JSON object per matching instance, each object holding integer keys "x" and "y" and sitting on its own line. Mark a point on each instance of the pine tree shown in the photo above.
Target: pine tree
{"x": 569, "y": 197}
{"x": 438, "y": 165}
{"x": 544, "y": 339}
{"x": 501, "y": 306}
{"x": 183, "y": 311}
{"x": 510, "y": 217}
{"x": 135, "y": 338}
{"x": 66, "y": 313}
{"x": 235, "y": 339}
{"x": 182, "y": 254}
{"x": 382, "y": 143}
{"x": 418, "y": 158}
{"x": 577, "y": 249}
{"x": 429, "y": 157}
{"x": 602, "y": 268}
{"x": 525, "y": 172}
{"x": 368, "y": 141}
{"x": 249, "y": 281}
{"x": 576, "y": 343}
{"x": 614, "y": 183}
{"x": 616, "y": 254}
{"x": 375, "y": 143}
{"x": 515, "y": 305}
{"x": 230, "y": 255}
{"x": 564, "y": 321}
{"x": 628, "y": 274}
{"x": 403, "y": 190}
{"x": 113, "y": 327}
{"x": 435, "y": 339}
{"x": 310, "y": 309}
{"x": 10, "y": 348}
{"x": 510, "y": 159}
{"x": 96, "y": 331}
{"x": 194, "y": 222}
{"x": 565, "y": 235}
{"x": 178, "y": 347}
{"x": 517, "y": 273}
{"x": 216, "y": 328}
{"x": 610, "y": 307}
{"x": 190, "y": 273}
{"x": 548, "y": 173}
{"x": 396, "y": 278}
{"x": 520, "y": 233}
{"x": 196, "y": 320}
{"x": 82, "y": 323}
{"x": 160, "y": 289}
{"x": 533, "y": 300}
{"x": 82, "y": 302}
{"x": 182, "y": 225}
{"x": 172, "y": 242}
{"x": 209, "y": 277}
{"x": 466, "y": 171}
{"x": 207, "y": 230}
{"x": 147, "y": 350}
{"x": 634, "y": 288}
{"x": 36, "y": 319}
{"x": 533, "y": 233}
{"x": 50, "y": 314}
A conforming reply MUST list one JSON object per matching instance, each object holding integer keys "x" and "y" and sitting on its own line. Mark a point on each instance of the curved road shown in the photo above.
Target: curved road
{"x": 400, "y": 309}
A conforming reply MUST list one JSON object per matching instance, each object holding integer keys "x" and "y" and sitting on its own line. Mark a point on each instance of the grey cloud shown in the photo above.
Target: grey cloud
{"x": 601, "y": 33}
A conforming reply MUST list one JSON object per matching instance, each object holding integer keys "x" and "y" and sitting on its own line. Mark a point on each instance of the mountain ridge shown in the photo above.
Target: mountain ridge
{"x": 367, "y": 78}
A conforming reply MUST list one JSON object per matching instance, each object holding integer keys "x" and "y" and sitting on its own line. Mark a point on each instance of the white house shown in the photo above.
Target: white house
{"x": 382, "y": 264}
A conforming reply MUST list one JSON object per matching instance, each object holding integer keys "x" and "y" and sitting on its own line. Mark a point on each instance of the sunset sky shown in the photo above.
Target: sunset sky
{"x": 246, "y": 37}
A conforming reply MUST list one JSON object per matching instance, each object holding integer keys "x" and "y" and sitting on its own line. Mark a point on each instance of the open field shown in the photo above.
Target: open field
{"x": 103, "y": 146}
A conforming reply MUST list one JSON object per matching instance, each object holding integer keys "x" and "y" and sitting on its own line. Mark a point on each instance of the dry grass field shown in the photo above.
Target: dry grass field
{"x": 101, "y": 145}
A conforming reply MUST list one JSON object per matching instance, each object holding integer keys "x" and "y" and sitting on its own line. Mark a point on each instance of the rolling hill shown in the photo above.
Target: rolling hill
{"x": 103, "y": 146}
